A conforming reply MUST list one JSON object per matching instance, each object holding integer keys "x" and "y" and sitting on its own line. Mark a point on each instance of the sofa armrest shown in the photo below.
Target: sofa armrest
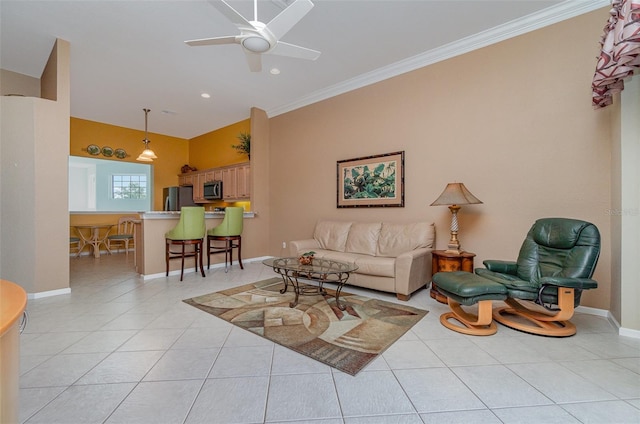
{"x": 572, "y": 283}
{"x": 504, "y": 267}
{"x": 298, "y": 247}
{"x": 413, "y": 270}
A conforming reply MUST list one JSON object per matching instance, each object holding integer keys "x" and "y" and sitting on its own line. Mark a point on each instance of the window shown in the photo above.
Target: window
{"x": 129, "y": 186}
{"x": 103, "y": 185}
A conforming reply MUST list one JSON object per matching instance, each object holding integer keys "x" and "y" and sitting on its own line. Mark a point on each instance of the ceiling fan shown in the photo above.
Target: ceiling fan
{"x": 257, "y": 38}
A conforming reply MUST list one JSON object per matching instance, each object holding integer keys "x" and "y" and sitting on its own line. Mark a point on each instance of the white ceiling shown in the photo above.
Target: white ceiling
{"x": 129, "y": 55}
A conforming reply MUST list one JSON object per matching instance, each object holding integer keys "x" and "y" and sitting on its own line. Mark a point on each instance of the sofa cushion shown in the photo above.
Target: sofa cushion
{"x": 371, "y": 265}
{"x": 363, "y": 238}
{"x": 396, "y": 239}
{"x": 332, "y": 235}
{"x": 367, "y": 265}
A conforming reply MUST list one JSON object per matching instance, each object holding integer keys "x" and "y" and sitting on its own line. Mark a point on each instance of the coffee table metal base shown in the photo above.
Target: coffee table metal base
{"x": 321, "y": 271}
{"x": 291, "y": 278}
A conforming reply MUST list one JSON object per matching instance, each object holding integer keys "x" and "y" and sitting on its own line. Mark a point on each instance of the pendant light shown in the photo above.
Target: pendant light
{"x": 147, "y": 154}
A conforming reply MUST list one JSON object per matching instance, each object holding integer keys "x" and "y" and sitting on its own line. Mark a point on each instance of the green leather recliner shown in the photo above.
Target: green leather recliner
{"x": 555, "y": 264}
{"x": 189, "y": 231}
{"x": 229, "y": 232}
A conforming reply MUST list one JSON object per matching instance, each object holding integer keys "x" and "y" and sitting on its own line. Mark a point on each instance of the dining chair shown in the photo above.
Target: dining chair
{"x": 74, "y": 243}
{"x": 125, "y": 233}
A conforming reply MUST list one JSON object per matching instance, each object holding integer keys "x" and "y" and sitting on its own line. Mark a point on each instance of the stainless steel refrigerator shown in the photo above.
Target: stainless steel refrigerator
{"x": 177, "y": 197}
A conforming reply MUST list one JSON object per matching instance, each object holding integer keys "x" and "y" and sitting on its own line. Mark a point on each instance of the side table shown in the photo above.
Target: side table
{"x": 443, "y": 261}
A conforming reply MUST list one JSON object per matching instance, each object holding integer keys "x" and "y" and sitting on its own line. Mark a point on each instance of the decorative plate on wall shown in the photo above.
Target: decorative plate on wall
{"x": 120, "y": 153}
{"x": 92, "y": 149}
{"x": 107, "y": 151}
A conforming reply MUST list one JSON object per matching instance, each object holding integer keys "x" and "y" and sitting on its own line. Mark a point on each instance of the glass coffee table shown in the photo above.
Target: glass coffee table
{"x": 321, "y": 270}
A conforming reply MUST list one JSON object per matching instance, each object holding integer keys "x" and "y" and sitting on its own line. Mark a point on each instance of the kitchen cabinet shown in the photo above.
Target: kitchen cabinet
{"x": 243, "y": 182}
{"x": 229, "y": 183}
{"x": 186, "y": 179}
{"x": 198, "y": 189}
{"x": 236, "y": 182}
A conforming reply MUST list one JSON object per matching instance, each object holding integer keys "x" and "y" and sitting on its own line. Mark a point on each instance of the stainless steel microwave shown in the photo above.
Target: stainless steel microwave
{"x": 213, "y": 190}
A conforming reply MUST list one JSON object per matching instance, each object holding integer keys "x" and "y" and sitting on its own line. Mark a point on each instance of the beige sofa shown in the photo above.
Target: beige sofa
{"x": 391, "y": 257}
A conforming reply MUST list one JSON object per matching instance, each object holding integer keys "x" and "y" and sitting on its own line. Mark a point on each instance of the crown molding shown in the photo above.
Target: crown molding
{"x": 549, "y": 16}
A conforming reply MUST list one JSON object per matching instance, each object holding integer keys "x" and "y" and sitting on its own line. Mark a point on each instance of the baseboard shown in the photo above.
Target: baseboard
{"x": 593, "y": 311}
{"x": 146, "y": 277}
{"x": 102, "y": 252}
{"x": 627, "y": 332}
{"x": 48, "y": 293}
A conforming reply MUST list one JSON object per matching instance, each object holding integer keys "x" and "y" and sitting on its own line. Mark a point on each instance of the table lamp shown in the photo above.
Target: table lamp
{"x": 454, "y": 195}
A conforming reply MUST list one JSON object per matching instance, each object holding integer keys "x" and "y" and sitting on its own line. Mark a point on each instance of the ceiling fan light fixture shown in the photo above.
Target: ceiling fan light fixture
{"x": 256, "y": 44}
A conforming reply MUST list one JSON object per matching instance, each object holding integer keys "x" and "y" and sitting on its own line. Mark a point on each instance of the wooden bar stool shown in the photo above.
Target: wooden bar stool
{"x": 229, "y": 232}
{"x": 190, "y": 231}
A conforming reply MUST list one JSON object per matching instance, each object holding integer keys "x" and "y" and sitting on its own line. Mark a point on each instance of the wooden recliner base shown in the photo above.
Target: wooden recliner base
{"x": 474, "y": 325}
{"x": 519, "y": 317}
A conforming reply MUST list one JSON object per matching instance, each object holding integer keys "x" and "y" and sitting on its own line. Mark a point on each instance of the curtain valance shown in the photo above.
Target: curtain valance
{"x": 620, "y": 54}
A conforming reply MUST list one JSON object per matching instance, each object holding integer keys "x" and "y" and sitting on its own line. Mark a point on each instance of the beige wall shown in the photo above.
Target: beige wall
{"x": 513, "y": 121}
{"x": 260, "y": 181}
{"x": 629, "y": 211}
{"x": 35, "y": 149}
{"x": 13, "y": 83}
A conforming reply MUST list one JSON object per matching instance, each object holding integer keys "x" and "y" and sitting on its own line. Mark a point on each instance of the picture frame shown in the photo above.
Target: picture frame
{"x": 371, "y": 181}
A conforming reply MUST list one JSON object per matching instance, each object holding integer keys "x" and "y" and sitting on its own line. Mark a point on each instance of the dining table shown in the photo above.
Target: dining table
{"x": 93, "y": 235}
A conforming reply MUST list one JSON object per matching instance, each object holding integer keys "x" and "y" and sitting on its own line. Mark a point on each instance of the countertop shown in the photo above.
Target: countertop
{"x": 13, "y": 301}
{"x": 176, "y": 214}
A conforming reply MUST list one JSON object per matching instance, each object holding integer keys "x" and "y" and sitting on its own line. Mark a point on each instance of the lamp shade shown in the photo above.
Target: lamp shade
{"x": 456, "y": 194}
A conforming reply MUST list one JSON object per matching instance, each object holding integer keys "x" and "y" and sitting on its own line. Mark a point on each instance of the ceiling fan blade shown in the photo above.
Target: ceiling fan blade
{"x": 232, "y": 39}
{"x": 291, "y": 50}
{"x": 254, "y": 60}
{"x": 230, "y": 13}
{"x": 290, "y": 16}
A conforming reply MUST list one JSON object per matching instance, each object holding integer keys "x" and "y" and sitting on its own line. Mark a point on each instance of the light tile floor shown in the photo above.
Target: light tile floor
{"x": 122, "y": 350}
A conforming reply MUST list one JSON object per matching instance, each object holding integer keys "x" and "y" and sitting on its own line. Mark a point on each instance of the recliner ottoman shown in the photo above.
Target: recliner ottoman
{"x": 465, "y": 288}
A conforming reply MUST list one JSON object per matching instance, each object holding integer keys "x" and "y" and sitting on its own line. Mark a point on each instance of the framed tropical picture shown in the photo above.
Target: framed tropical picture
{"x": 371, "y": 181}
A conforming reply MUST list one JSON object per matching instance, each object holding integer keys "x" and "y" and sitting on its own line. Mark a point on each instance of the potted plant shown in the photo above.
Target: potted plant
{"x": 245, "y": 144}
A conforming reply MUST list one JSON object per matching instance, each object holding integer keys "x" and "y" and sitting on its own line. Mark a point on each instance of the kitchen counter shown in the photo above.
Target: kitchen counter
{"x": 150, "y": 242}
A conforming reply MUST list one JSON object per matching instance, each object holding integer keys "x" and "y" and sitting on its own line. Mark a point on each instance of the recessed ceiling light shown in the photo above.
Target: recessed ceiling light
{"x": 205, "y": 95}
{"x": 275, "y": 71}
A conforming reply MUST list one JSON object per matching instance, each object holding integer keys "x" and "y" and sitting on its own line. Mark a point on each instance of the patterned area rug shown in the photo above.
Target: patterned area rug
{"x": 347, "y": 340}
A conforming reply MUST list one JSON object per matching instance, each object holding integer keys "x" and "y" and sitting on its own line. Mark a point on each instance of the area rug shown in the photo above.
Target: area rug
{"x": 347, "y": 340}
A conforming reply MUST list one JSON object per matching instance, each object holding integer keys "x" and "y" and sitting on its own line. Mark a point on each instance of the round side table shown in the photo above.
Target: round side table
{"x": 443, "y": 261}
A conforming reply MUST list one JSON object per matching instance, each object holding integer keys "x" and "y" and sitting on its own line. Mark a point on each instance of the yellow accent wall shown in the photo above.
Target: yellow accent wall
{"x": 172, "y": 152}
{"x": 209, "y": 150}
{"x": 214, "y": 149}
